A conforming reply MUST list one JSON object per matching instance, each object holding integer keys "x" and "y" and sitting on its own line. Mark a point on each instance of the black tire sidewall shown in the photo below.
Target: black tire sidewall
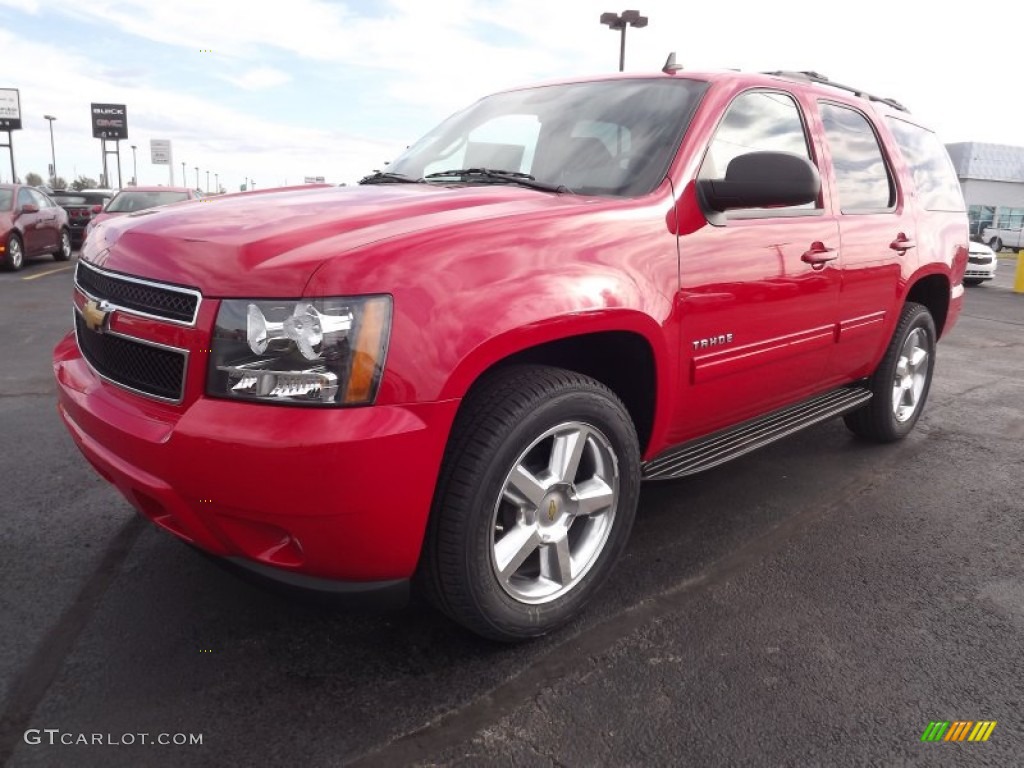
{"x": 508, "y": 615}
{"x": 60, "y": 255}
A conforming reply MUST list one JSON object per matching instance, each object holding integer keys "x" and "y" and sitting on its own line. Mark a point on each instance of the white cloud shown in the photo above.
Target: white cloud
{"x": 258, "y": 79}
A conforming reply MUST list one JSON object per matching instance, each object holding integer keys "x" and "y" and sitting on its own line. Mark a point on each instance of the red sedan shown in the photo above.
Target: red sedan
{"x": 31, "y": 224}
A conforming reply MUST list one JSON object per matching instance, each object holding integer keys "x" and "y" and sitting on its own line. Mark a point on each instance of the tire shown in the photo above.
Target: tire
{"x": 900, "y": 385}
{"x": 504, "y": 528}
{"x": 15, "y": 253}
{"x": 973, "y": 281}
{"x": 995, "y": 244}
{"x": 63, "y": 252}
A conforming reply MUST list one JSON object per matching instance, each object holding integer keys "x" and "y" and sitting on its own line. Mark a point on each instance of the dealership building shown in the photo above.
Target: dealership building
{"x": 992, "y": 179}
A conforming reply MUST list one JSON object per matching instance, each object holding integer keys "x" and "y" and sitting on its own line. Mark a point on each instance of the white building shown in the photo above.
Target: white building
{"x": 992, "y": 179}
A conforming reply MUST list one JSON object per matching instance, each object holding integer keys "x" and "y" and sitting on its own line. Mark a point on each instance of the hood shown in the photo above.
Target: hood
{"x": 268, "y": 243}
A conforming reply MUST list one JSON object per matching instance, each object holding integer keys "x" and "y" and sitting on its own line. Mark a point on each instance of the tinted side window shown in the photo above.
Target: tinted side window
{"x": 757, "y": 121}
{"x": 862, "y": 176}
{"x": 934, "y": 175}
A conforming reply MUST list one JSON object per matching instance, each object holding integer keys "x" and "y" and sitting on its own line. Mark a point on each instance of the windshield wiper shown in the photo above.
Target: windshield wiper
{"x": 508, "y": 177}
{"x": 387, "y": 177}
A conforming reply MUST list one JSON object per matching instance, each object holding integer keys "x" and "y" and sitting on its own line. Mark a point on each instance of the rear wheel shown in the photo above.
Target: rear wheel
{"x": 15, "y": 253}
{"x": 535, "y": 502}
{"x": 995, "y": 244}
{"x": 63, "y": 252}
{"x": 900, "y": 384}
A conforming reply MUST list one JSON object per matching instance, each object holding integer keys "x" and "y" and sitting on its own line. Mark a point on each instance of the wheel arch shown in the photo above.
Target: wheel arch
{"x": 932, "y": 290}
{"x": 625, "y": 351}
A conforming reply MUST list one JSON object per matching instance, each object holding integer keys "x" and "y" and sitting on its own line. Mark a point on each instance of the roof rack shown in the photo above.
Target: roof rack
{"x": 814, "y": 77}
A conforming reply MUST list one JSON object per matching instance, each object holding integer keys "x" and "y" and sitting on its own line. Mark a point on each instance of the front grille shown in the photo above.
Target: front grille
{"x": 177, "y": 304}
{"x": 142, "y": 367}
{"x": 979, "y": 259}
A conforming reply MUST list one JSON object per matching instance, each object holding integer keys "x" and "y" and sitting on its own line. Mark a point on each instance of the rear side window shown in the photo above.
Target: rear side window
{"x": 934, "y": 175}
{"x": 757, "y": 121}
{"x": 863, "y": 179}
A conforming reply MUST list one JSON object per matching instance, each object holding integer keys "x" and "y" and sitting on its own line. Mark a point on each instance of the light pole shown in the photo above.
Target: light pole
{"x": 207, "y": 182}
{"x": 216, "y": 183}
{"x": 53, "y": 154}
{"x": 135, "y": 169}
{"x": 620, "y": 22}
{"x": 197, "y": 178}
{"x": 184, "y": 178}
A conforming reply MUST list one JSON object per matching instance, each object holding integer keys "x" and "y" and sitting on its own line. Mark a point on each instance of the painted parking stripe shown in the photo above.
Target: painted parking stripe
{"x": 48, "y": 272}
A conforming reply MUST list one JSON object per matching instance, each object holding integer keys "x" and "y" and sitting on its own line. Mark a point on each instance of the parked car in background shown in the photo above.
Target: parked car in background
{"x": 132, "y": 199}
{"x": 981, "y": 264}
{"x": 31, "y": 224}
{"x": 1003, "y": 237}
{"x": 81, "y": 207}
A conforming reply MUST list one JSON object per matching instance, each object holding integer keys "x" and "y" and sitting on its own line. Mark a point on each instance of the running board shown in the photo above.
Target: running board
{"x": 720, "y": 447}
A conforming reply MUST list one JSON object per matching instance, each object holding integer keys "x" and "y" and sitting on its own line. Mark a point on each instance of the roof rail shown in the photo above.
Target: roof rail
{"x": 814, "y": 77}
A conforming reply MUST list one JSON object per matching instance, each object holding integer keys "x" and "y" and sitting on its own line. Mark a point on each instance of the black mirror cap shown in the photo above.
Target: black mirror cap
{"x": 761, "y": 180}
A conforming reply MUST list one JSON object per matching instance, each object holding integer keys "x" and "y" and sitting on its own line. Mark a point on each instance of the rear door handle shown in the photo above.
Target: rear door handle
{"x": 902, "y": 243}
{"x": 817, "y": 255}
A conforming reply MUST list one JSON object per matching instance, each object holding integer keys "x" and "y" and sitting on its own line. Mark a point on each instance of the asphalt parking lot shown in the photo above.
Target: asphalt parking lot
{"x": 817, "y": 603}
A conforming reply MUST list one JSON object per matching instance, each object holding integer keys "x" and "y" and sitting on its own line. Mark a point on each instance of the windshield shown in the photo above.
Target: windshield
{"x": 614, "y": 137}
{"x": 125, "y": 202}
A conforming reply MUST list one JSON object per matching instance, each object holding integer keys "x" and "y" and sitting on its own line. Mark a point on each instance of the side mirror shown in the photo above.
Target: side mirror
{"x": 761, "y": 180}
{"x": 30, "y": 208}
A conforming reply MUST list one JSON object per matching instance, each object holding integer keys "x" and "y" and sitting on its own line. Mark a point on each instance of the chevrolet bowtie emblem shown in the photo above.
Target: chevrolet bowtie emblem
{"x": 552, "y": 510}
{"x": 95, "y": 315}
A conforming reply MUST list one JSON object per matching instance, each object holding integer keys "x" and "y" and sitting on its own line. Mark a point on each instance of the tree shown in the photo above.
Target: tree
{"x": 59, "y": 183}
{"x": 33, "y": 179}
{"x": 84, "y": 182}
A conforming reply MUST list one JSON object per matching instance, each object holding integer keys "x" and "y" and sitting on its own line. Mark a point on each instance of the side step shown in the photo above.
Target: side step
{"x": 718, "y": 448}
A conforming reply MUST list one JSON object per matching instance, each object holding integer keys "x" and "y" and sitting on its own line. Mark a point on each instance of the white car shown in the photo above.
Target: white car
{"x": 981, "y": 264}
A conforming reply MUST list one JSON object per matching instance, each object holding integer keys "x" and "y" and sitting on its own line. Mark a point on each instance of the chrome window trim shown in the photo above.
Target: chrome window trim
{"x": 149, "y": 283}
{"x": 184, "y": 371}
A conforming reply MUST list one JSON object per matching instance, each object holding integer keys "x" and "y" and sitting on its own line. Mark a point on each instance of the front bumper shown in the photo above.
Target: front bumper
{"x": 316, "y": 495}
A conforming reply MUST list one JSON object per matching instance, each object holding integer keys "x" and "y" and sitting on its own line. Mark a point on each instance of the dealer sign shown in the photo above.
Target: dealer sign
{"x": 109, "y": 121}
{"x": 10, "y": 109}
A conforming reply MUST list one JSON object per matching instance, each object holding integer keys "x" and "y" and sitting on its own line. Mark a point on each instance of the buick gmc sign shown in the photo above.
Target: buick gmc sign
{"x": 109, "y": 121}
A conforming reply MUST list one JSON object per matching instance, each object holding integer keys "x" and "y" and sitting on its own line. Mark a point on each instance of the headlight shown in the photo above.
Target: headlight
{"x": 309, "y": 351}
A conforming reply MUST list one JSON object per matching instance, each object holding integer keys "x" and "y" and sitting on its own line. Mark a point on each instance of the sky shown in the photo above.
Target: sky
{"x": 278, "y": 90}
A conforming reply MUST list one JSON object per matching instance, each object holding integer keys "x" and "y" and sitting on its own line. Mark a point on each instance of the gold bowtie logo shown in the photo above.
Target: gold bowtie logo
{"x": 552, "y": 510}
{"x": 95, "y": 316}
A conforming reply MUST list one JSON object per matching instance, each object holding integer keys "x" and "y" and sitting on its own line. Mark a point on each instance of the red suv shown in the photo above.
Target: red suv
{"x": 458, "y": 373}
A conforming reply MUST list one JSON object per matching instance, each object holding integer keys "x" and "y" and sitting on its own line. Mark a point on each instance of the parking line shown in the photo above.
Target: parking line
{"x": 50, "y": 272}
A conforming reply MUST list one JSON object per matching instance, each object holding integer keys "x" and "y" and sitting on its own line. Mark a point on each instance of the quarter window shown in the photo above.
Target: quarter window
{"x": 863, "y": 179}
{"x": 934, "y": 176}
{"x": 757, "y": 121}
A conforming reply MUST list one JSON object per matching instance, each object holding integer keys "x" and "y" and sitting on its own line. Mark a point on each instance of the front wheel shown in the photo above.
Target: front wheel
{"x": 535, "y": 502}
{"x": 901, "y": 382}
{"x": 63, "y": 252}
{"x": 15, "y": 253}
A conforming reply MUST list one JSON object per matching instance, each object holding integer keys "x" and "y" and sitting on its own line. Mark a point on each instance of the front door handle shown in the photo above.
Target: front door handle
{"x": 818, "y": 255}
{"x": 902, "y": 243}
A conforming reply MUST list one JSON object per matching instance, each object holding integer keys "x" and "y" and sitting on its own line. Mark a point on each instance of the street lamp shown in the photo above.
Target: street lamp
{"x": 53, "y": 154}
{"x": 216, "y": 183}
{"x": 135, "y": 169}
{"x": 184, "y": 178}
{"x": 207, "y": 182}
{"x": 621, "y": 21}
{"x": 197, "y": 178}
